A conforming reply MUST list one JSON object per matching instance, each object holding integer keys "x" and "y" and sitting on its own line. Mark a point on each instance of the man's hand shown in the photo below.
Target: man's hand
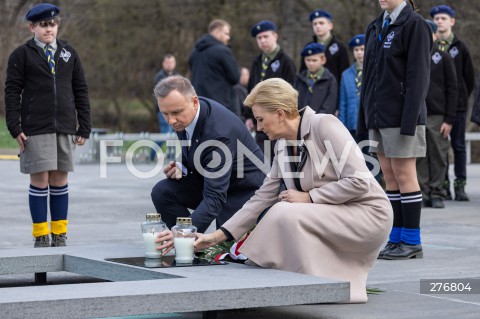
{"x": 166, "y": 239}
{"x": 294, "y": 196}
{"x": 445, "y": 129}
{"x": 172, "y": 171}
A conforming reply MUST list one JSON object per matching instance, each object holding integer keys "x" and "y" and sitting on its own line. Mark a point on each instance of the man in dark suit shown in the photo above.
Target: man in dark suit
{"x": 220, "y": 169}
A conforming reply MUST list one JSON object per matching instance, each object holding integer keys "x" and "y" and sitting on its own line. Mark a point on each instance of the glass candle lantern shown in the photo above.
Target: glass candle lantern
{"x": 184, "y": 237}
{"x": 150, "y": 229}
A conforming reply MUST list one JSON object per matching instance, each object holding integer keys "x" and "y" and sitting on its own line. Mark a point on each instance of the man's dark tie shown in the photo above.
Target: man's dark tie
{"x": 182, "y": 136}
{"x": 383, "y": 32}
{"x": 49, "y": 54}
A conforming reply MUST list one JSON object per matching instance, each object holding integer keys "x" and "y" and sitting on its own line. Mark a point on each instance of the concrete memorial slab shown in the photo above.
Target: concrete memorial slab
{"x": 136, "y": 290}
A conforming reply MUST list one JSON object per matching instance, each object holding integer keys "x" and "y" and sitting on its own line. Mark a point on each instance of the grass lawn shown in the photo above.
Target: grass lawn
{"x": 6, "y": 140}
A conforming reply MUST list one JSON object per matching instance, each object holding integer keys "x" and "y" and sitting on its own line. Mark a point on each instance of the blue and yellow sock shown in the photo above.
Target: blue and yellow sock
{"x": 37, "y": 200}
{"x": 59, "y": 208}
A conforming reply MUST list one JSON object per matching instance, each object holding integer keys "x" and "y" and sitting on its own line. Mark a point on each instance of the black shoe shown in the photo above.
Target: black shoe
{"x": 42, "y": 241}
{"x": 446, "y": 189}
{"x": 59, "y": 240}
{"x": 437, "y": 203}
{"x": 426, "y": 203}
{"x": 388, "y": 248}
{"x": 460, "y": 194}
{"x": 404, "y": 252}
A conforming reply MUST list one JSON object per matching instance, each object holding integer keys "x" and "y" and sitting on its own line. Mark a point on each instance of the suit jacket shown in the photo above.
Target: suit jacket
{"x": 337, "y": 236}
{"x": 217, "y": 125}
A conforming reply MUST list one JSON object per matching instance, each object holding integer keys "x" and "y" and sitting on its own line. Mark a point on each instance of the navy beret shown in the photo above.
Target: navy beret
{"x": 432, "y": 25}
{"x": 320, "y": 14}
{"x": 263, "y": 26}
{"x": 442, "y": 9}
{"x": 42, "y": 11}
{"x": 312, "y": 48}
{"x": 357, "y": 40}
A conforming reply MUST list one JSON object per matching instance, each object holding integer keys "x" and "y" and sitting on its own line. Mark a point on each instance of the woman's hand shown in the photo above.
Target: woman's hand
{"x": 294, "y": 196}
{"x": 208, "y": 240}
{"x": 166, "y": 238}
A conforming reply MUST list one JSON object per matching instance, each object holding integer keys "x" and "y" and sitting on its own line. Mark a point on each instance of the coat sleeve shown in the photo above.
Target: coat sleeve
{"x": 475, "y": 118}
{"x": 290, "y": 72}
{"x": 342, "y": 100}
{"x": 332, "y": 97}
{"x": 82, "y": 102}
{"x": 451, "y": 88}
{"x": 361, "y": 124}
{"x": 253, "y": 74}
{"x": 468, "y": 71}
{"x": 230, "y": 66}
{"x": 13, "y": 90}
{"x": 344, "y": 62}
{"x": 354, "y": 179}
{"x": 215, "y": 186}
{"x": 417, "y": 74}
{"x": 266, "y": 196}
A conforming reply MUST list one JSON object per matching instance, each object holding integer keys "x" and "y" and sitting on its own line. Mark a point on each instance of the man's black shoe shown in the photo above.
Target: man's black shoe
{"x": 426, "y": 203}
{"x": 460, "y": 194}
{"x": 446, "y": 189}
{"x": 437, "y": 203}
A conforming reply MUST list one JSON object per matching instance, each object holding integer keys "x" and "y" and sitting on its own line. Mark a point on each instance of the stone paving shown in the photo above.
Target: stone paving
{"x": 110, "y": 210}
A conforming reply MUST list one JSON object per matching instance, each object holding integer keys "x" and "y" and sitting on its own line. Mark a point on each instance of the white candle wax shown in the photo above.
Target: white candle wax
{"x": 184, "y": 249}
{"x": 151, "y": 246}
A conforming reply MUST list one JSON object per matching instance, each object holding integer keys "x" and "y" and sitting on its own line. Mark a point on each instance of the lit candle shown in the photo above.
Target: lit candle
{"x": 184, "y": 249}
{"x": 150, "y": 245}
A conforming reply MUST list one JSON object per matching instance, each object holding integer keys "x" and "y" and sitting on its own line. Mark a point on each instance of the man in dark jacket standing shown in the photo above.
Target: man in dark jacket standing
{"x": 214, "y": 68}
{"x": 444, "y": 18}
{"x": 441, "y": 106}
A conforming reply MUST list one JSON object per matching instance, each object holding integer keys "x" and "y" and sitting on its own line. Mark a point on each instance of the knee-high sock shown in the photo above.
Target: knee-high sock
{"x": 59, "y": 208}
{"x": 37, "y": 200}
{"x": 394, "y": 197}
{"x": 411, "y": 208}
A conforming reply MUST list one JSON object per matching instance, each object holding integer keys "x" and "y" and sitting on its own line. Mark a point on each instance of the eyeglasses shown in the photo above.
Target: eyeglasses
{"x": 47, "y": 23}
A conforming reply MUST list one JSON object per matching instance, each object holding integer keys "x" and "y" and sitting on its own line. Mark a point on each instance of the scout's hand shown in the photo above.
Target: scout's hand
{"x": 21, "y": 138}
{"x": 166, "y": 239}
{"x": 172, "y": 171}
{"x": 294, "y": 196}
{"x": 79, "y": 140}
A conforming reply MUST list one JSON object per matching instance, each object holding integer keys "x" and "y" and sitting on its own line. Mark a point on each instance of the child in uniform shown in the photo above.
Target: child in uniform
{"x": 48, "y": 113}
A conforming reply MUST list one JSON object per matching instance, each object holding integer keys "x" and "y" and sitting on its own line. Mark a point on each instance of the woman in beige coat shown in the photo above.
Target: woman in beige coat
{"x": 333, "y": 217}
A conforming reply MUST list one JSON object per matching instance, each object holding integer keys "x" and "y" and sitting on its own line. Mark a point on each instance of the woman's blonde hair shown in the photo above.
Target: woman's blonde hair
{"x": 274, "y": 94}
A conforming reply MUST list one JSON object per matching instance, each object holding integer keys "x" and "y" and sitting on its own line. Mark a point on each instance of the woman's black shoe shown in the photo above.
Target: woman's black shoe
{"x": 404, "y": 252}
{"x": 388, "y": 248}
